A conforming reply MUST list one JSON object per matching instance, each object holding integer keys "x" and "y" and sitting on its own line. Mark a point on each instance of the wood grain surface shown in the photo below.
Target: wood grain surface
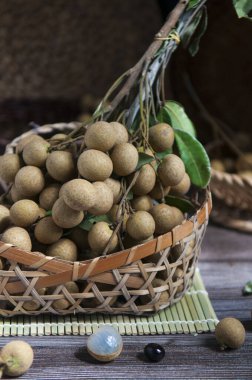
{"x": 226, "y": 265}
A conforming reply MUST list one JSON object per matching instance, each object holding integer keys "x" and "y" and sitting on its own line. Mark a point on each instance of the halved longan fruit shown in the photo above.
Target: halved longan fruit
{"x": 94, "y": 165}
{"x": 145, "y": 181}
{"x": 47, "y": 232}
{"x": 121, "y": 132}
{"x": 36, "y": 152}
{"x": 64, "y": 249}
{"x": 64, "y": 216}
{"x": 9, "y": 166}
{"x": 23, "y": 213}
{"x": 49, "y": 195}
{"x": 182, "y": 187}
{"x": 140, "y": 225}
{"x": 161, "y": 137}
{"x": 104, "y": 199}
{"x": 4, "y": 218}
{"x": 99, "y": 236}
{"x": 79, "y": 194}
{"x": 17, "y": 236}
{"x": 60, "y": 165}
{"x": 125, "y": 159}
{"x": 29, "y": 181}
{"x": 166, "y": 218}
{"x": 100, "y": 136}
{"x": 116, "y": 188}
{"x": 142, "y": 203}
{"x": 171, "y": 170}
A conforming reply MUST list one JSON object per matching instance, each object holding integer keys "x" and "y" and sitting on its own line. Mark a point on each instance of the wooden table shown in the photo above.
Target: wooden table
{"x": 226, "y": 265}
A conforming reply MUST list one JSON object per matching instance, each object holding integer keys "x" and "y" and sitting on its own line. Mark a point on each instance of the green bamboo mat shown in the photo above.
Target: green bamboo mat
{"x": 192, "y": 315}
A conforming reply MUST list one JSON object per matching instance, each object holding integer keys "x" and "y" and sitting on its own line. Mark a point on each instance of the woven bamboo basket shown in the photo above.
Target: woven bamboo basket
{"x": 122, "y": 282}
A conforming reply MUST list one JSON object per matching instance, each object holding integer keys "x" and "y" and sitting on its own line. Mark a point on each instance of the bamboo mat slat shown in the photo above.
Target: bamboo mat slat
{"x": 193, "y": 314}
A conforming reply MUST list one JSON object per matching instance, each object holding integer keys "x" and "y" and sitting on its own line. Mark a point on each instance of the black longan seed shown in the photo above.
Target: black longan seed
{"x": 154, "y": 352}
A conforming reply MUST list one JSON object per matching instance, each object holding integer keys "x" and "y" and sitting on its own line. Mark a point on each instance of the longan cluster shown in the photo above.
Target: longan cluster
{"x": 53, "y": 192}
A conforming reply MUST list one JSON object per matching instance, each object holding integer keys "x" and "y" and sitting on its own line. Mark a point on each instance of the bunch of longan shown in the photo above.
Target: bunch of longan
{"x": 53, "y": 191}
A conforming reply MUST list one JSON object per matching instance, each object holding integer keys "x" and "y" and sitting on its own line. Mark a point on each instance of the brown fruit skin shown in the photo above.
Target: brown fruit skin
{"x": 94, "y": 165}
{"x": 80, "y": 238}
{"x": 161, "y": 137}
{"x": 15, "y": 195}
{"x": 63, "y": 303}
{"x": 112, "y": 214}
{"x": 49, "y": 195}
{"x": 244, "y": 162}
{"x": 26, "y": 140}
{"x": 9, "y": 166}
{"x": 64, "y": 249}
{"x": 218, "y": 165}
{"x": 140, "y": 225}
{"x": 57, "y": 138}
{"x": 79, "y": 194}
{"x": 64, "y": 216}
{"x": 24, "y": 213}
{"x": 164, "y": 295}
{"x": 230, "y": 333}
{"x": 142, "y": 203}
{"x": 23, "y": 354}
{"x": 100, "y": 136}
{"x": 4, "y": 218}
{"x": 166, "y": 218}
{"x": 121, "y": 133}
{"x": 60, "y": 166}
{"x": 159, "y": 191}
{"x": 33, "y": 304}
{"x": 125, "y": 159}
{"x": 47, "y": 232}
{"x": 171, "y": 170}
{"x": 99, "y": 235}
{"x": 104, "y": 199}
{"x": 182, "y": 187}
{"x": 17, "y": 236}
{"x": 35, "y": 153}
{"x": 115, "y": 187}
{"x": 145, "y": 180}
{"x": 29, "y": 181}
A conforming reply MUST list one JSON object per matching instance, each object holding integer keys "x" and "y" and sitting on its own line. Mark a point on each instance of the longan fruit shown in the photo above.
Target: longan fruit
{"x": 94, "y": 165}
{"x": 16, "y": 358}
{"x": 33, "y": 304}
{"x": 171, "y": 170}
{"x": 150, "y": 153}
{"x": 159, "y": 191}
{"x": 29, "y": 181}
{"x": 104, "y": 199}
{"x": 80, "y": 238}
{"x": 112, "y": 214}
{"x": 140, "y": 225}
{"x": 60, "y": 165}
{"x": 47, "y": 232}
{"x": 79, "y": 194}
{"x": 15, "y": 195}
{"x": 4, "y": 217}
{"x": 64, "y": 249}
{"x": 57, "y": 138}
{"x": 164, "y": 295}
{"x": 166, "y": 218}
{"x": 23, "y": 213}
{"x": 17, "y": 236}
{"x": 9, "y": 166}
{"x": 26, "y": 140}
{"x": 246, "y": 174}
{"x": 125, "y": 159}
{"x": 115, "y": 187}
{"x": 182, "y": 187}
{"x": 244, "y": 162}
{"x": 121, "y": 133}
{"x": 129, "y": 242}
{"x": 36, "y": 152}
{"x": 142, "y": 203}
{"x": 145, "y": 180}
{"x": 230, "y": 333}
{"x": 99, "y": 235}
{"x": 101, "y": 136}
{"x": 64, "y": 216}
{"x": 161, "y": 137}
{"x": 63, "y": 303}
{"x": 49, "y": 195}
{"x": 217, "y": 165}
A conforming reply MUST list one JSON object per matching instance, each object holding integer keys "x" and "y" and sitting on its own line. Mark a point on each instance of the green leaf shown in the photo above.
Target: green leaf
{"x": 90, "y": 220}
{"x": 194, "y": 45}
{"x": 144, "y": 159}
{"x": 48, "y": 213}
{"x": 183, "y": 204}
{"x": 247, "y": 290}
{"x": 186, "y": 37}
{"x": 173, "y": 113}
{"x": 243, "y": 8}
{"x": 193, "y": 4}
{"x": 130, "y": 196}
{"x": 195, "y": 158}
{"x": 163, "y": 154}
